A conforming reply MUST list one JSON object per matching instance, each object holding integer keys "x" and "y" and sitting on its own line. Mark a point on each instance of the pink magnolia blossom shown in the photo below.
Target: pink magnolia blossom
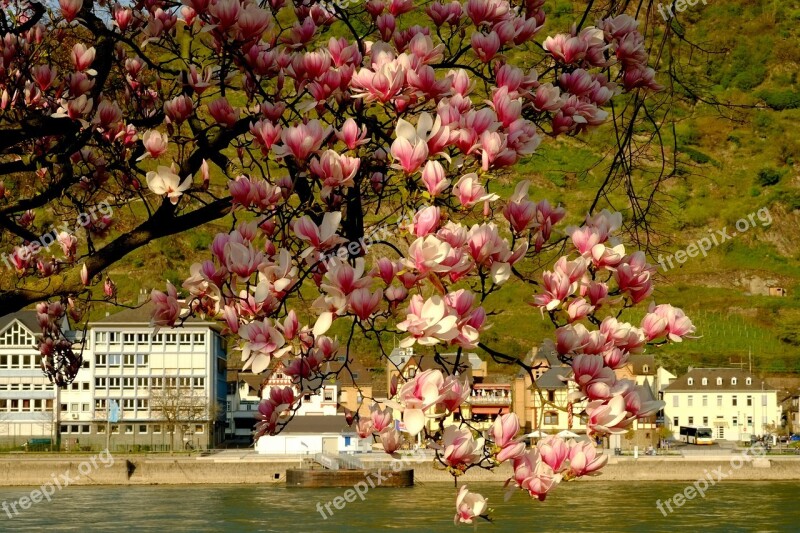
{"x": 667, "y": 320}
{"x": 165, "y": 182}
{"x": 584, "y": 460}
{"x": 261, "y": 341}
{"x": 166, "y": 308}
{"x": 155, "y": 143}
{"x": 70, "y": 8}
{"x": 391, "y": 439}
{"x": 222, "y": 112}
{"x": 433, "y": 176}
{"x": 469, "y": 191}
{"x": 427, "y": 322}
{"x": 504, "y": 429}
{"x": 469, "y": 506}
{"x": 381, "y": 418}
{"x": 460, "y": 448}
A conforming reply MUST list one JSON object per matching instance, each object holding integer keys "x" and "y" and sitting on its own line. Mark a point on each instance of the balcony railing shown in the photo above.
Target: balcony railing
{"x": 488, "y": 400}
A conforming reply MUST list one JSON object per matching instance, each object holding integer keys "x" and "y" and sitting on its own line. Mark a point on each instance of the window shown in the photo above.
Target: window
{"x": 645, "y": 369}
{"x": 74, "y": 407}
{"x": 199, "y": 338}
{"x": 749, "y": 420}
{"x": 719, "y": 381}
{"x": 128, "y": 429}
{"x": 64, "y": 429}
{"x": 128, "y": 383}
{"x": 551, "y": 418}
{"x": 198, "y": 383}
{"x": 551, "y": 396}
{"x": 142, "y": 359}
{"x": 141, "y": 383}
{"x": 705, "y": 400}
{"x": 141, "y": 338}
{"x": 85, "y": 407}
{"x": 675, "y": 401}
{"x": 735, "y": 421}
{"x": 185, "y": 339}
{"x": 690, "y": 401}
{"x": 100, "y": 383}
{"x": 100, "y": 405}
{"x": 690, "y": 381}
{"x": 186, "y": 382}
{"x": 748, "y": 381}
{"x": 114, "y": 359}
{"x": 101, "y": 359}
{"x": 198, "y": 428}
{"x": 130, "y": 359}
{"x": 328, "y": 395}
{"x": 113, "y": 336}
{"x": 764, "y": 420}
{"x": 86, "y": 429}
{"x": 705, "y": 381}
{"x": 74, "y": 429}
{"x": 691, "y": 420}
{"x": 676, "y": 421}
{"x": 101, "y": 429}
{"x": 142, "y": 404}
{"x": 64, "y": 407}
{"x": 114, "y": 383}
{"x": 128, "y": 403}
{"x": 735, "y": 400}
{"x": 128, "y": 338}
{"x": 170, "y": 338}
{"x": 733, "y": 381}
{"x": 749, "y": 401}
{"x": 719, "y": 400}
{"x": 157, "y": 383}
{"x": 157, "y": 428}
{"x": 705, "y": 420}
{"x": 114, "y": 429}
{"x": 142, "y": 428}
{"x": 763, "y": 400}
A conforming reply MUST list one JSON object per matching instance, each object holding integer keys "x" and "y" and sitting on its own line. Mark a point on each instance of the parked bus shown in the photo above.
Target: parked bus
{"x": 697, "y": 435}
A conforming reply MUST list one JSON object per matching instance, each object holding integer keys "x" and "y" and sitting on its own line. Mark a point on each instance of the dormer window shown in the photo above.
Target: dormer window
{"x": 690, "y": 381}
{"x": 748, "y": 381}
{"x": 719, "y": 381}
{"x": 645, "y": 369}
{"x": 733, "y": 381}
{"x": 705, "y": 381}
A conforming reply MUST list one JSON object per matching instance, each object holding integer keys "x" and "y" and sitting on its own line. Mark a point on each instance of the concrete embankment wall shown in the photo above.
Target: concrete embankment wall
{"x": 140, "y": 470}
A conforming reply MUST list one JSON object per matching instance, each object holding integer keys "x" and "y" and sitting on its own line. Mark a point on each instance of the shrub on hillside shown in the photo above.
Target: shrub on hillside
{"x": 768, "y": 176}
{"x": 780, "y": 100}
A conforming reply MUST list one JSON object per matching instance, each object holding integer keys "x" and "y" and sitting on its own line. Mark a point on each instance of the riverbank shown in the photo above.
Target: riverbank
{"x": 247, "y": 468}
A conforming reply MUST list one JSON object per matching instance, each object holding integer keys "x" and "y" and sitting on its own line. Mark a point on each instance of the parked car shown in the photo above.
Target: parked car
{"x": 794, "y": 438}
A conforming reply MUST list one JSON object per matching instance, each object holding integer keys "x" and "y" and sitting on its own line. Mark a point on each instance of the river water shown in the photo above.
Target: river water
{"x": 728, "y": 507}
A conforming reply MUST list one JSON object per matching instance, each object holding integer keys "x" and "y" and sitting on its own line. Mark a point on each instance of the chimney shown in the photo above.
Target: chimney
{"x": 144, "y": 295}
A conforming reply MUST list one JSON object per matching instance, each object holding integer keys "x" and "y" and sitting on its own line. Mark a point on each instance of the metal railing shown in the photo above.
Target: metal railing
{"x": 349, "y": 462}
{"x": 326, "y": 461}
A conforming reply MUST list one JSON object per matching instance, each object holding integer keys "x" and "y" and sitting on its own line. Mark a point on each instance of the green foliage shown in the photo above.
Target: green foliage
{"x": 768, "y": 176}
{"x": 200, "y": 240}
{"x": 780, "y": 100}
{"x": 696, "y": 155}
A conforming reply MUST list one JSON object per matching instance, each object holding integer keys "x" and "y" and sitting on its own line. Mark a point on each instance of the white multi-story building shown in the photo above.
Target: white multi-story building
{"x": 732, "y": 402}
{"x": 27, "y": 398}
{"x": 170, "y": 385}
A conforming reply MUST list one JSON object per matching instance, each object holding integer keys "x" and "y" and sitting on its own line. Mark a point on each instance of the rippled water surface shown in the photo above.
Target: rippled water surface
{"x": 587, "y": 506}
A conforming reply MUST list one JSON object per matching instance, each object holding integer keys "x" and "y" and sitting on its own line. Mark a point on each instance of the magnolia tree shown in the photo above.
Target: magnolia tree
{"x": 360, "y": 148}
